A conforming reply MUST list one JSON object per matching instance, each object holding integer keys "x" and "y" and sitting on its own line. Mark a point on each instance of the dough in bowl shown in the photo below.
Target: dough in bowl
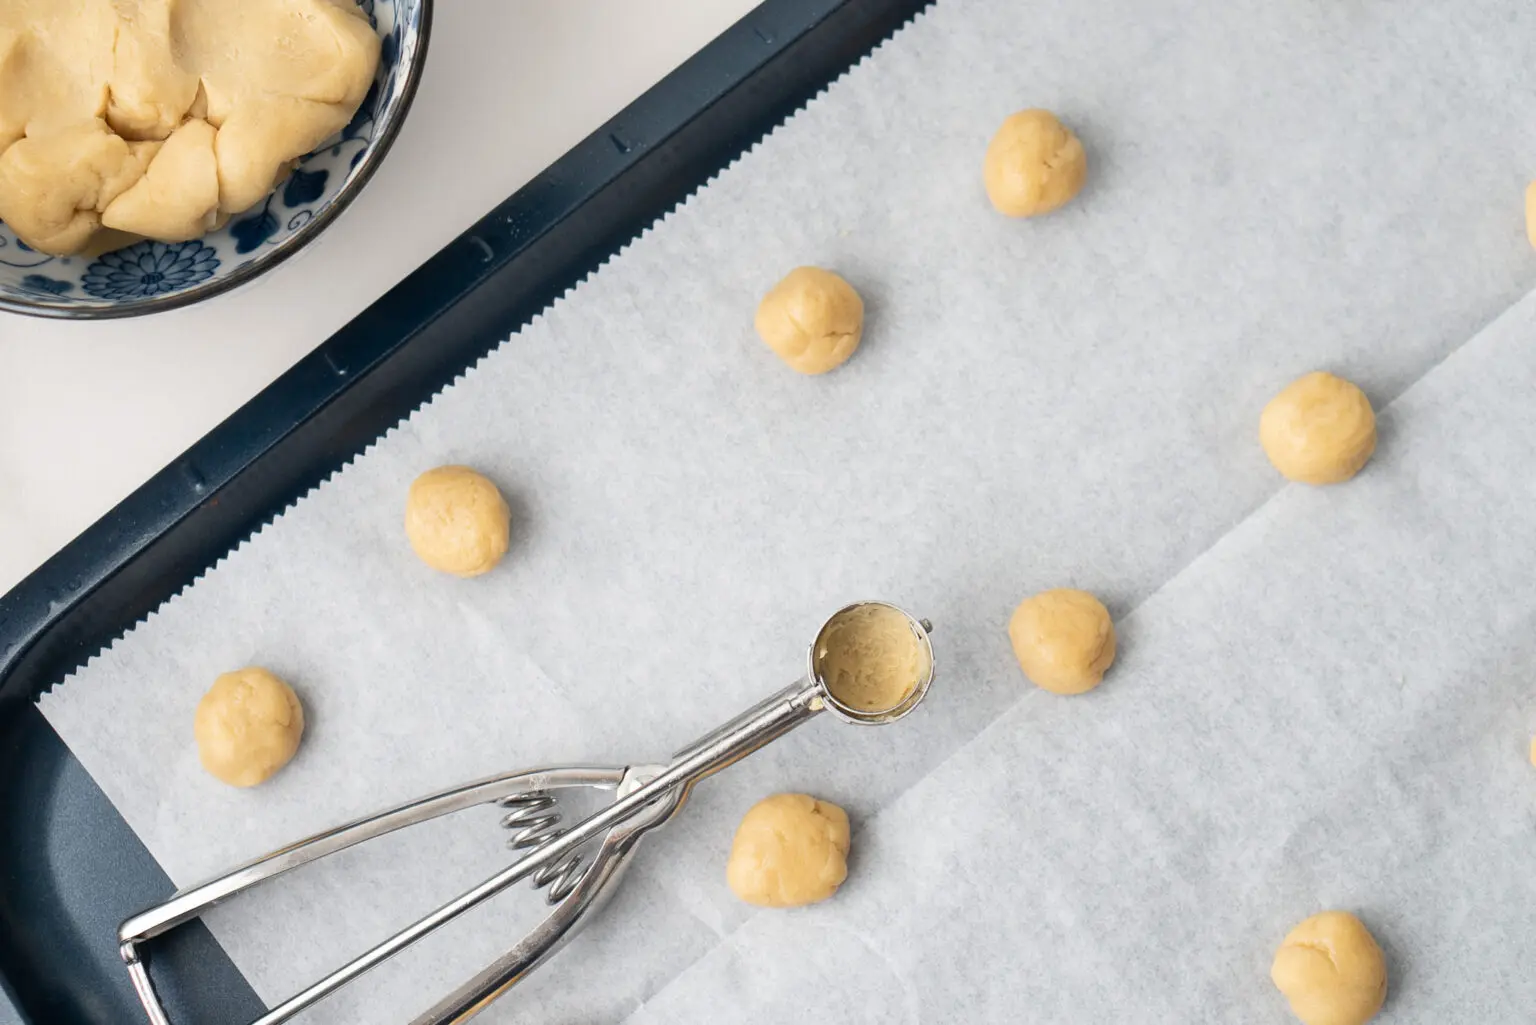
{"x": 177, "y": 199}
{"x": 247, "y": 726}
{"x": 235, "y": 91}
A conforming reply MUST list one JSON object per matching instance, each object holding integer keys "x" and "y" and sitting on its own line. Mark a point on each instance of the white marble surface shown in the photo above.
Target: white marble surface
{"x": 88, "y": 411}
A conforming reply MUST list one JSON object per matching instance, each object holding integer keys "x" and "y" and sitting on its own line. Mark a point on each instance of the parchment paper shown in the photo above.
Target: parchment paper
{"x": 1327, "y": 709}
{"x": 1274, "y": 188}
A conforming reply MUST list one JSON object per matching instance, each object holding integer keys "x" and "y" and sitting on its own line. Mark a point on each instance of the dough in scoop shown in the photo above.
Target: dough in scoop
{"x": 1064, "y": 640}
{"x": 457, "y": 521}
{"x": 247, "y": 726}
{"x": 1319, "y": 430}
{"x": 1034, "y": 165}
{"x": 1331, "y": 970}
{"x": 869, "y": 658}
{"x": 813, "y": 320}
{"x": 790, "y": 850}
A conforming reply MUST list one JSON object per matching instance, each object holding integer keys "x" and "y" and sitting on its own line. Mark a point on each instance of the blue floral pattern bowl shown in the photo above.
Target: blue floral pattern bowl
{"x": 151, "y": 276}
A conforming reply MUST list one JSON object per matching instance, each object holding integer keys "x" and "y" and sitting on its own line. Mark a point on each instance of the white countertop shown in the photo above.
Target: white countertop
{"x": 88, "y": 411}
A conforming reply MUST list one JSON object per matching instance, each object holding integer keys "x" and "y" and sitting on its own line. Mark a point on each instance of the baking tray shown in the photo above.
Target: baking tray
{"x": 70, "y": 868}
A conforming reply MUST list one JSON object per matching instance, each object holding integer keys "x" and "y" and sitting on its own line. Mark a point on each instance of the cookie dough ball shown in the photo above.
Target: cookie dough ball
{"x": 1319, "y": 430}
{"x": 1530, "y": 212}
{"x": 1331, "y": 970}
{"x": 247, "y": 726}
{"x": 457, "y": 521}
{"x": 813, "y": 320}
{"x": 1064, "y": 640}
{"x": 1034, "y": 165}
{"x": 790, "y": 849}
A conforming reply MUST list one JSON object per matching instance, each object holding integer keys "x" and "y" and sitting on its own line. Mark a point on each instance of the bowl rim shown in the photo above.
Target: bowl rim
{"x": 377, "y": 150}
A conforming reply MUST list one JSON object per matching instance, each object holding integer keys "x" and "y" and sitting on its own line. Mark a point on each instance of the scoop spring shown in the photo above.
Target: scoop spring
{"x": 534, "y": 821}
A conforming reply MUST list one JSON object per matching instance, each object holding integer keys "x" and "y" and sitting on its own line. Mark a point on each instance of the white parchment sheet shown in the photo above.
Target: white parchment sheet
{"x": 1322, "y": 696}
{"x": 1330, "y": 708}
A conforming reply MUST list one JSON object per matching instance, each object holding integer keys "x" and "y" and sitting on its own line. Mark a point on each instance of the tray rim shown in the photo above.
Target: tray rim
{"x": 67, "y": 579}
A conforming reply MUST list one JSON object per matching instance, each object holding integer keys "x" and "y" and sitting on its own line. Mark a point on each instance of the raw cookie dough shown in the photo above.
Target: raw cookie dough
{"x": 1034, "y": 165}
{"x": 1530, "y": 212}
{"x": 54, "y": 185}
{"x": 1319, "y": 430}
{"x": 1331, "y": 970}
{"x": 1064, "y": 640}
{"x": 177, "y": 199}
{"x": 247, "y": 726}
{"x": 457, "y": 521}
{"x": 870, "y": 659}
{"x": 790, "y": 850}
{"x": 813, "y": 320}
{"x": 237, "y": 91}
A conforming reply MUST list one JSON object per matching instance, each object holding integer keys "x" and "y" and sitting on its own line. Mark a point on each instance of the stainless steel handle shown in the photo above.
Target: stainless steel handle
{"x": 658, "y": 798}
{"x": 647, "y": 797}
{"x": 194, "y": 901}
{"x": 746, "y": 734}
{"x": 591, "y": 893}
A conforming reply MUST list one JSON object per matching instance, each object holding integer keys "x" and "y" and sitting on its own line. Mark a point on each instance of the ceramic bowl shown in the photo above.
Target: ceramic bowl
{"x": 149, "y": 276}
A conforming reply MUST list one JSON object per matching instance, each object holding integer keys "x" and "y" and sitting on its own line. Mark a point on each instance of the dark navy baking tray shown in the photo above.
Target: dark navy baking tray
{"x": 70, "y": 868}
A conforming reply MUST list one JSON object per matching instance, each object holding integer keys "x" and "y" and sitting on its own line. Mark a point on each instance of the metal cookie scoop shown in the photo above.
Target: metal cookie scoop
{"x": 645, "y": 796}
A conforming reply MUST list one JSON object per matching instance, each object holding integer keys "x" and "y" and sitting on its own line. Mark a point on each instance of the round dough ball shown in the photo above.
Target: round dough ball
{"x": 1319, "y": 430}
{"x": 813, "y": 320}
{"x": 790, "y": 849}
{"x": 457, "y": 521}
{"x": 1034, "y": 165}
{"x": 247, "y": 726}
{"x": 1530, "y": 213}
{"x": 1331, "y": 970}
{"x": 1064, "y": 640}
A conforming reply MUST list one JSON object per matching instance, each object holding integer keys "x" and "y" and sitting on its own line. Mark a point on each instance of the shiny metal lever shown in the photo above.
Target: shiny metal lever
{"x": 645, "y": 797}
